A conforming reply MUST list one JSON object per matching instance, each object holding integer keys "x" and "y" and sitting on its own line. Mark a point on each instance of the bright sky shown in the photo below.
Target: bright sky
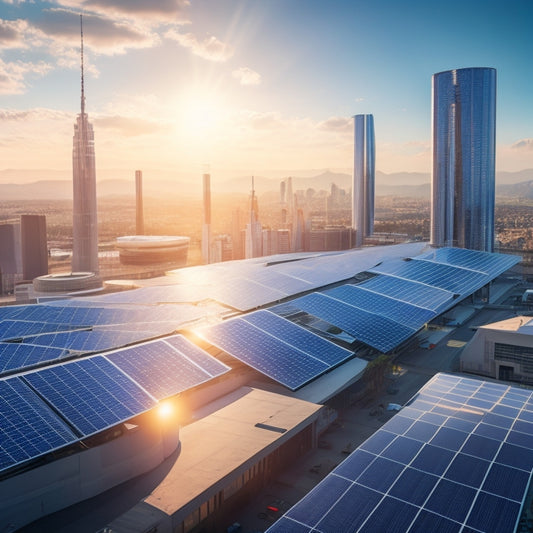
{"x": 252, "y": 86}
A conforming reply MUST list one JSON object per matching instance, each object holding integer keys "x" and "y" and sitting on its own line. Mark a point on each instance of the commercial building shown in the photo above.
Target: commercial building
{"x": 363, "y": 178}
{"x": 502, "y": 350}
{"x": 463, "y": 133}
{"x": 139, "y": 211}
{"x": 84, "y": 224}
{"x": 206, "y": 224}
{"x": 34, "y": 246}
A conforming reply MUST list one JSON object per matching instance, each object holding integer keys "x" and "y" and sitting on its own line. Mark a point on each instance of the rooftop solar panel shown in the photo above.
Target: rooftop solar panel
{"x": 445, "y": 480}
{"x": 451, "y": 278}
{"x": 29, "y": 428}
{"x": 299, "y": 337}
{"x": 377, "y": 331}
{"x": 260, "y": 350}
{"x": 16, "y": 356}
{"x": 92, "y": 394}
{"x": 18, "y": 329}
{"x": 410, "y": 315}
{"x": 162, "y": 370}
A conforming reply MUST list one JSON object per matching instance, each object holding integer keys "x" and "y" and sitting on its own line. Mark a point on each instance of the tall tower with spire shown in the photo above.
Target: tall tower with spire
{"x": 84, "y": 224}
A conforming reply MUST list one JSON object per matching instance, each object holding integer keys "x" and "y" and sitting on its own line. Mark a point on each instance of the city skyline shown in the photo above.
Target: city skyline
{"x": 252, "y": 87}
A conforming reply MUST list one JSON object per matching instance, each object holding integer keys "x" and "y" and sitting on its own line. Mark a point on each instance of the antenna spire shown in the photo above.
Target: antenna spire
{"x": 82, "y": 78}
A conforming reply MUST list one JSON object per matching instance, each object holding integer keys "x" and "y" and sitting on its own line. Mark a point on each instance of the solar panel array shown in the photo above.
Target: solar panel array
{"x": 277, "y": 347}
{"x": 403, "y": 295}
{"x": 459, "y": 457}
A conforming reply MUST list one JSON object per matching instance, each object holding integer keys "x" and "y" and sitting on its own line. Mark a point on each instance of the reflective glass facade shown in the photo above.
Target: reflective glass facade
{"x": 363, "y": 177}
{"x": 464, "y": 131}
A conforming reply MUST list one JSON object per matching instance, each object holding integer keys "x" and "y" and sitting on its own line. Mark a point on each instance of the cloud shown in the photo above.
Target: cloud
{"x": 34, "y": 114}
{"x": 129, "y": 126}
{"x": 12, "y": 75}
{"x": 12, "y": 33}
{"x": 164, "y": 10}
{"x": 210, "y": 48}
{"x": 247, "y": 76}
{"x": 339, "y": 124}
{"x": 100, "y": 33}
{"x": 523, "y": 145}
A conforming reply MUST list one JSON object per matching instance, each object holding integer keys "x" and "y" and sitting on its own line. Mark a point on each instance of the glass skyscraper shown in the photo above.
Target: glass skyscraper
{"x": 363, "y": 178}
{"x": 464, "y": 137}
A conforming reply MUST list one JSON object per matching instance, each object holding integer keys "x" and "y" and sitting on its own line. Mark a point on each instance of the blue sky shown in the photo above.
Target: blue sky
{"x": 252, "y": 86}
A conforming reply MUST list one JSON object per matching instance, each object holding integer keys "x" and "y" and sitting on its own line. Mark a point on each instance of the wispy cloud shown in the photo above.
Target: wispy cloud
{"x": 210, "y": 48}
{"x": 523, "y": 145}
{"x": 13, "y": 74}
{"x": 247, "y": 76}
{"x": 30, "y": 115}
{"x": 130, "y": 126}
{"x": 12, "y": 33}
{"x": 338, "y": 124}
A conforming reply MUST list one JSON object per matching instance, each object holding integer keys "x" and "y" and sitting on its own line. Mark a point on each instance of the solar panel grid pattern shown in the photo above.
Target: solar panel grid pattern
{"x": 404, "y": 313}
{"x": 428, "y": 469}
{"x": 92, "y": 394}
{"x": 244, "y": 294}
{"x": 267, "y": 354}
{"x": 409, "y": 291}
{"x": 161, "y": 370}
{"x": 377, "y": 331}
{"x": 447, "y": 277}
{"x": 16, "y": 329}
{"x": 15, "y": 356}
{"x": 272, "y": 278}
{"x": 29, "y": 428}
{"x": 489, "y": 263}
{"x": 299, "y": 337}
{"x": 90, "y": 341}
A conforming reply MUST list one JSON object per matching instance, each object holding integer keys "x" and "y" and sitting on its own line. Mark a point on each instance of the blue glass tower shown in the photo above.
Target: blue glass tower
{"x": 363, "y": 178}
{"x": 464, "y": 137}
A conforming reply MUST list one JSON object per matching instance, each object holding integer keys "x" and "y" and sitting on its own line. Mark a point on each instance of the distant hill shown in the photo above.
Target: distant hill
{"x": 54, "y": 184}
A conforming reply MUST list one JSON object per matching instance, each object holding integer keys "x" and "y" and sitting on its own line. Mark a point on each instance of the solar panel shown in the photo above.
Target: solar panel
{"x": 29, "y": 428}
{"x": 16, "y": 356}
{"x": 92, "y": 394}
{"x": 162, "y": 370}
{"x": 443, "y": 480}
{"x": 450, "y": 278}
{"x": 299, "y": 337}
{"x": 410, "y": 315}
{"x": 273, "y": 357}
{"x": 372, "y": 329}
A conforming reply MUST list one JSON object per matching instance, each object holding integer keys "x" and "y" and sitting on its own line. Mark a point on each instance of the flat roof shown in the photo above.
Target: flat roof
{"x": 216, "y": 448}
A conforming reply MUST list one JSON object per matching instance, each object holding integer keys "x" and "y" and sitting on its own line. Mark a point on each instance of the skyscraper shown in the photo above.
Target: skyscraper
{"x": 206, "y": 226}
{"x": 139, "y": 213}
{"x": 464, "y": 131}
{"x": 84, "y": 226}
{"x": 363, "y": 178}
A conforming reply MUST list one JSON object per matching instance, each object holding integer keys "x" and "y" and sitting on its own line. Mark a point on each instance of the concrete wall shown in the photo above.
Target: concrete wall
{"x": 59, "y": 484}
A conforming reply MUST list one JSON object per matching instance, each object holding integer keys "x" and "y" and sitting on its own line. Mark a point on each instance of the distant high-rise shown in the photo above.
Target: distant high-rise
{"x": 206, "y": 226}
{"x": 363, "y": 178}
{"x": 33, "y": 246}
{"x": 464, "y": 132}
{"x": 139, "y": 215}
{"x": 84, "y": 227}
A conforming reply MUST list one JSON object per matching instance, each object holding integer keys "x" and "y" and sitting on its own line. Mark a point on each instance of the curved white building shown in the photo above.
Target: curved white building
{"x": 146, "y": 249}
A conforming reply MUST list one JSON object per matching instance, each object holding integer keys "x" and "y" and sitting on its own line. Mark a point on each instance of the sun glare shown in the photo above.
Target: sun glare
{"x": 165, "y": 410}
{"x": 200, "y": 113}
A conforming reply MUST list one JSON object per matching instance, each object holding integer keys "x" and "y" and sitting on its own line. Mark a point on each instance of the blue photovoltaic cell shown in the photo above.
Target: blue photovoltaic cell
{"x": 413, "y": 486}
{"x": 422, "y": 431}
{"x": 160, "y": 369}
{"x": 434, "y": 523}
{"x": 205, "y": 361}
{"x": 391, "y": 516}
{"x": 261, "y": 351}
{"x": 433, "y": 460}
{"x": 494, "y": 514}
{"x": 481, "y": 447}
{"x": 450, "y": 278}
{"x": 449, "y": 438}
{"x": 509, "y": 483}
{"x": 15, "y": 356}
{"x": 352, "y": 467}
{"x": 376, "y": 331}
{"x": 407, "y": 314}
{"x": 378, "y": 441}
{"x": 381, "y": 475}
{"x": 29, "y": 427}
{"x": 299, "y": 337}
{"x": 402, "y": 450}
{"x": 467, "y": 470}
{"x": 451, "y": 499}
{"x": 91, "y": 394}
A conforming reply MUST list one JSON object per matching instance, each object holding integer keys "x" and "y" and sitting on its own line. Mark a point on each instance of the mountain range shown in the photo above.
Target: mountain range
{"x": 57, "y": 185}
